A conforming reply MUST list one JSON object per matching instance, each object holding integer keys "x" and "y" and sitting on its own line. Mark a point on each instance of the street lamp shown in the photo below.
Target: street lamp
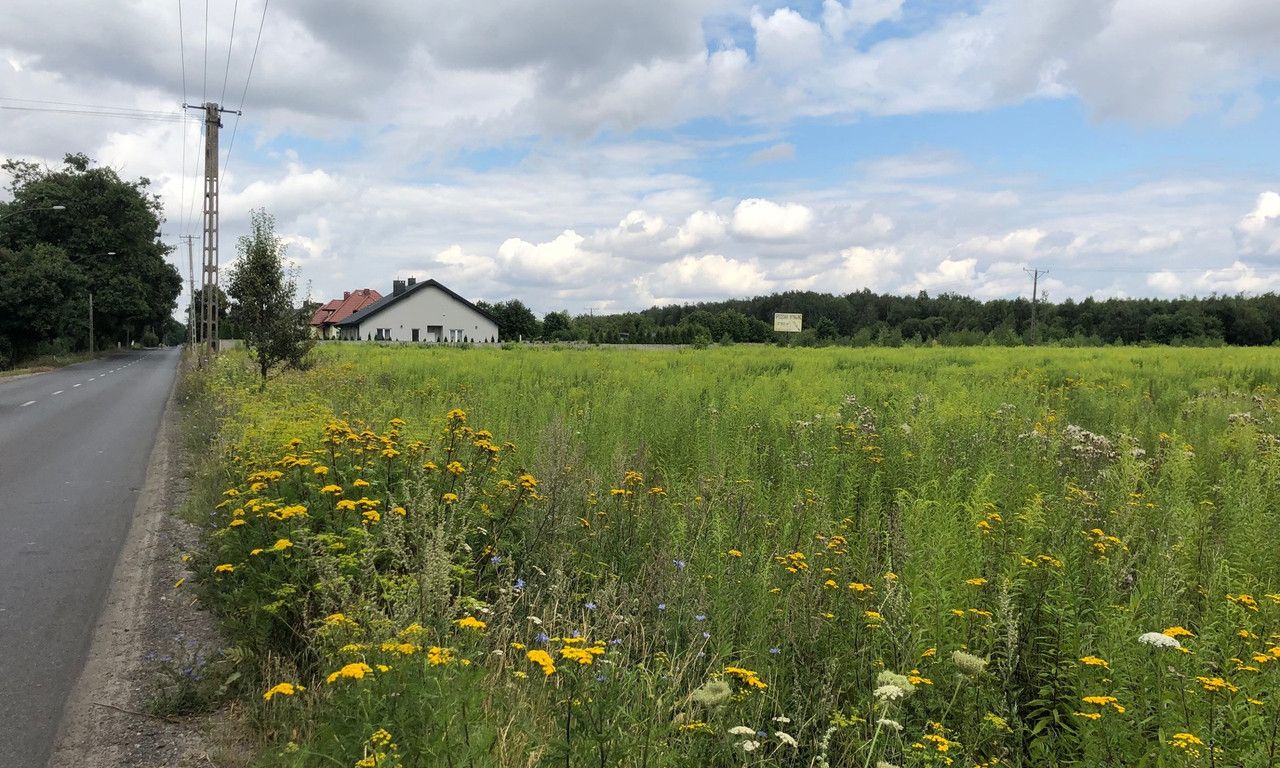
{"x": 29, "y": 210}
{"x": 108, "y": 253}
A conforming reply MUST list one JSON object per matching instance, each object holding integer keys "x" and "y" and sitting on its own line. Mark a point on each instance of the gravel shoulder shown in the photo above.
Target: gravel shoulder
{"x": 148, "y": 627}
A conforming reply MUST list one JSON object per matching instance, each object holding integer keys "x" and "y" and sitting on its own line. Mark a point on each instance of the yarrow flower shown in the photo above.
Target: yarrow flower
{"x": 1158, "y": 640}
{"x": 786, "y": 738}
{"x": 742, "y": 730}
{"x": 969, "y": 664}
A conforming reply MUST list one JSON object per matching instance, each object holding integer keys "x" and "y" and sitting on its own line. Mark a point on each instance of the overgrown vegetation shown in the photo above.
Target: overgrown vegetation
{"x": 751, "y": 556}
{"x": 70, "y": 232}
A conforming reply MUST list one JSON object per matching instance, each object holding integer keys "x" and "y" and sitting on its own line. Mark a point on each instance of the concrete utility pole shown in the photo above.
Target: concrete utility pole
{"x": 191, "y": 287}
{"x": 1035, "y": 282}
{"x": 90, "y": 323}
{"x": 209, "y": 274}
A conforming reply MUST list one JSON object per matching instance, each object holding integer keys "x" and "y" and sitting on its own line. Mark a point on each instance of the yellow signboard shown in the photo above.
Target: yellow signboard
{"x": 787, "y": 322}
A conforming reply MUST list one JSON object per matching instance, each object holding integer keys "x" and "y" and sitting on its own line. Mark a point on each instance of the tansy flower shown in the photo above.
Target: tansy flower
{"x": 331, "y": 488}
{"x": 224, "y": 568}
{"x": 735, "y": 553}
{"x": 455, "y": 468}
{"x": 281, "y": 545}
{"x": 437, "y": 656}
{"x": 1176, "y": 632}
{"x": 1094, "y": 661}
{"x": 282, "y": 689}
{"x": 542, "y": 659}
{"x": 321, "y": 470}
{"x": 346, "y": 504}
{"x": 748, "y": 677}
{"x": 976, "y": 582}
{"x": 360, "y": 482}
{"x": 449, "y": 498}
{"x": 355, "y": 670}
{"x": 470, "y": 622}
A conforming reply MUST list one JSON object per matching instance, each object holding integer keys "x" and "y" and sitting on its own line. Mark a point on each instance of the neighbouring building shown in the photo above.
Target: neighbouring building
{"x": 324, "y": 323}
{"x": 420, "y": 311}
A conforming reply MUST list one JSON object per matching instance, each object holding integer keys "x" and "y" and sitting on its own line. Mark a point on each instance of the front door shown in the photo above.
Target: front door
{"x": 415, "y": 334}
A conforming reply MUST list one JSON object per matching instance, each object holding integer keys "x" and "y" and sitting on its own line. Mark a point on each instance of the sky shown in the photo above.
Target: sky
{"x": 610, "y": 155}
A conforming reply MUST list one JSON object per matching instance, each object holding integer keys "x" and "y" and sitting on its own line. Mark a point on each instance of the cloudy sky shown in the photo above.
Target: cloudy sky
{"x": 614, "y": 154}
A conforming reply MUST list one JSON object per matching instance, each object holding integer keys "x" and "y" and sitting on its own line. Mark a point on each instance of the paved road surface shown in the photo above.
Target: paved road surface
{"x": 74, "y": 445}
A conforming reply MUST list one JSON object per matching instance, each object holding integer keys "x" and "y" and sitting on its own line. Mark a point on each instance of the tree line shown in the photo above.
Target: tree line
{"x": 71, "y": 233}
{"x": 864, "y": 318}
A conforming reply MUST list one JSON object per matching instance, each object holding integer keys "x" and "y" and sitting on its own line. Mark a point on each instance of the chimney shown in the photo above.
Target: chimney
{"x": 346, "y": 295}
{"x": 413, "y": 280}
{"x": 397, "y": 287}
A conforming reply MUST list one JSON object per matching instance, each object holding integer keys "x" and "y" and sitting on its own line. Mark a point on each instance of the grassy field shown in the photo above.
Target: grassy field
{"x": 748, "y": 556}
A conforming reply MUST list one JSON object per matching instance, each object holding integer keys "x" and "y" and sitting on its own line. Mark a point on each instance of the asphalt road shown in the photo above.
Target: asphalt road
{"x": 74, "y": 446}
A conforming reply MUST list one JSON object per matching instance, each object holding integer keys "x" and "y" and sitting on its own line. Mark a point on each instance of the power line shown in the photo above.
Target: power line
{"x": 130, "y": 110}
{"x": 156, "y": 118}
{"x": 243, "y": 94}
{"x": 230, "y": 40}
{"x": 182, "y": 50}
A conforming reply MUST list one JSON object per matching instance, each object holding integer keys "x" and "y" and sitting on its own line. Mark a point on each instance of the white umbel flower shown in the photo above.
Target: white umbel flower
{"x": 749, "y": 745}
{"x": 742, "y": 730}
{"x": 786, "y": 738}
{"x": 886, "y": 722}
{"x": 1159, "y": 640}
{"x": 890, "y": 692}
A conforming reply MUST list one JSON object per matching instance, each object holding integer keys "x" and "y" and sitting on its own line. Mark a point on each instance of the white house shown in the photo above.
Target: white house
{"x": 423, "y": 312}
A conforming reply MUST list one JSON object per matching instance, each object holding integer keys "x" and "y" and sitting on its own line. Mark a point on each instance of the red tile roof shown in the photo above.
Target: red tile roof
{"x": 337, "y": 310}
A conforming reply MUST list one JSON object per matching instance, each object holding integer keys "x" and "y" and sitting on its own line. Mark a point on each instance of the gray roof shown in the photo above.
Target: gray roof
{"x": 393, "y": 297}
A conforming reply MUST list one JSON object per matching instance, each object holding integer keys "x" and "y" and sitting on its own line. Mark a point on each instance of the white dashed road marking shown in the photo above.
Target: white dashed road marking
{"x": 59, "y": 392}
{"x": 29, "y": 402}
{"x": 73, "y": 386}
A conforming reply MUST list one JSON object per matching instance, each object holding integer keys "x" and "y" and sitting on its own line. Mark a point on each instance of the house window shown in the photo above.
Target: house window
{"x": 415, "y": 334}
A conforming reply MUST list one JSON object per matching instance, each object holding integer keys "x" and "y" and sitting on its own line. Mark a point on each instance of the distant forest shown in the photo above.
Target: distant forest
{"x": 870, "y": 319}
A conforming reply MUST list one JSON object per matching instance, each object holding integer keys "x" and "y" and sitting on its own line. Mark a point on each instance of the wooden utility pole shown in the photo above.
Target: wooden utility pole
{"x": 209, "y": 273}
{"x": 1035, "y": 288}
{"x": 191, "y": 287}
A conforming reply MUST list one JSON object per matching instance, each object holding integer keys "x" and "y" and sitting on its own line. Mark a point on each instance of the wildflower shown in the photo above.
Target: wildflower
{"x": 224, "y": 568}
{"x": 858, "y": 586}
{"x": 1089, "y": 715}
{"x": 1187, "y": 742}
{"x": 282, "y": 689}
{"x": 786, "y": 738}
{"x": 471, "y": 622}
{"x": 590, "y": 606}
{"x": 438, "y": 656}
{"x": 735, "y": 553}
{"x": 355, "y": 670}
{"x": 890, "y": 692}
{"x": 885, "y": 722}
{"x": 455, "y": 468}
{"x": 371, "y": 516}
{"x": 281, "y": 545}
{"x": 1215, "y": 684}
{"x": 679, "y": 564}
{"x": 449, "y": 498}
{"x": 700, "y": 617}
{"x": 346, "y": 504}
{"x": 746, "y": 676}
{"x": 782, "y": 719}
{"x": 830, "y": 584}
{"x": 976, "y": 582}
{"x": 1176, "y": 632}
{"x": 712, "y": 693}
{"x": 696, "y": 725}
{"x": 1104, "y": 701}
{"x": 542, "y": 659}
{"x": 1244, "y": 601}
{"x": 1094, "y": 661}
{"x": 1158, "y": 640}
{"x": 320, "y": 470}
{"x": 332, "y": 488}
{"x": 178, "y": 584}
{"x": 360, "y": 482}
{"x": 236, "y": 523}
{"x": 584, "y": 655}
{"x": 749, "y": 745}
{"x": 742, "y": 730}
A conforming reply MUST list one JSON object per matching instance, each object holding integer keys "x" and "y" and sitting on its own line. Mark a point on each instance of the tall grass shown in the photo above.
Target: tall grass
{"x": 752, "y": 556}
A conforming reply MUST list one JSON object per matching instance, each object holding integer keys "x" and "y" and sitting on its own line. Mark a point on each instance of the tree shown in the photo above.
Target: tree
{"x": 555, "y": 326}
{"x": 515, "y": 320}
{"x": 108, "y": 233}
{"x": 274, "y": 329}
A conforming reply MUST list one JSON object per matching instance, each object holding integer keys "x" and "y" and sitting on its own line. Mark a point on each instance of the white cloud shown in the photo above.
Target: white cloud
{"x": 1165, "y": 282}
{"x": 1238, "y": 278}
{"x": 710, "y": 275}
{"x": 838, "y": 19}
{"x": 773, "y": 154}
{"x": 785, "y": 39}
{"x": 700, "y": 228}
{"x": 1019, "y": 243}
{"x": 766, "y": 220}
{"x": 1259, "y": 230}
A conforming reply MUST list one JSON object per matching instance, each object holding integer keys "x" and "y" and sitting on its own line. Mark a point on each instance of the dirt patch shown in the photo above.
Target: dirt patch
{"x": 149, "y": 630}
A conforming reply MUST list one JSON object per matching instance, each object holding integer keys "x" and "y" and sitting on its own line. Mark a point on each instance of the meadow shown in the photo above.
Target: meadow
{"x": 747, "y": 556}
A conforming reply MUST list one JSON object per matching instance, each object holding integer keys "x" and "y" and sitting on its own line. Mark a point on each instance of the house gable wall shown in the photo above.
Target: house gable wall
{"x": 426, "y": 308}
